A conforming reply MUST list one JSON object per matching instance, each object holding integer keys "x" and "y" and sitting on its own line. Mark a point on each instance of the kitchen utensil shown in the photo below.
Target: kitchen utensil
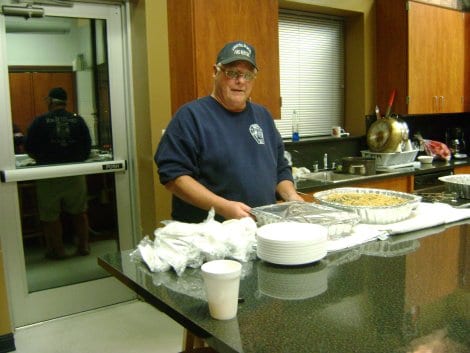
{"x": 390, "y": 103}
{"x": 455, "y": 140}
{"x": 377, "y": 112}
{"x": 386, "y": 135}
{"x": 425, "y": 159}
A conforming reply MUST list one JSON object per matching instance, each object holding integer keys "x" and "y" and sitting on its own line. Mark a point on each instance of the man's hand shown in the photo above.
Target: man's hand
{"x": 191, "y": 191}
{"x": 232, "y": 209}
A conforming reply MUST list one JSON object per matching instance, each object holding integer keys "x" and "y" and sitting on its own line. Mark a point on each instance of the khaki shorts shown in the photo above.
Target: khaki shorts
{"x": 68, "y": 194}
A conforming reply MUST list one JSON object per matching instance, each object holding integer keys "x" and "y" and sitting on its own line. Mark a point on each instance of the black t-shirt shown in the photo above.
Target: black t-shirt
{"x": 58, "y": 137}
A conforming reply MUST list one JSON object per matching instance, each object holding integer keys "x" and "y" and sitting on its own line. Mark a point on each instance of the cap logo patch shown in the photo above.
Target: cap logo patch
{"x": 241, "y": 49}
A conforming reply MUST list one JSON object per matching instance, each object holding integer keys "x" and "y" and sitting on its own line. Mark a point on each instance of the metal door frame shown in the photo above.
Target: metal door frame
{"x": 27, "y": 308}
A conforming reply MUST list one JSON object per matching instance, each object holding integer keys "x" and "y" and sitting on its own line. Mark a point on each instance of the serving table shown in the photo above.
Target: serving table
{"x": 394, "y": 295}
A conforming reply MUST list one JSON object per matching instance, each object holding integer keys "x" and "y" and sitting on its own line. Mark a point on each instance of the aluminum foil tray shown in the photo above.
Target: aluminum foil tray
{"x": 373, "y": 214}
{"x": 459, "y": 184}
{"x": 338, "y": 222}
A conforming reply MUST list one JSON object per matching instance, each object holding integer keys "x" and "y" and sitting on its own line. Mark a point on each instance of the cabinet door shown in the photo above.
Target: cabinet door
{"x": 462, "y": 170}
{"x": 435, "y": 59}
{"x": 451, "y": 61}
{"x": 198, "y": 29}
{"x": 422, "y": 58}
{"x": 22, "y": 99}
{"x": 466, "y": 61}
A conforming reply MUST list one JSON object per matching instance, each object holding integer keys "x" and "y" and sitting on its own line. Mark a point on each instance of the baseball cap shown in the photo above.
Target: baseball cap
{"x": 235, "y": 51}
{"x": 58, "y": 93}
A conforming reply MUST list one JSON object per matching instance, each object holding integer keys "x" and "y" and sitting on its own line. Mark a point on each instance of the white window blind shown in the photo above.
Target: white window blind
{"x": 312, "y": 73}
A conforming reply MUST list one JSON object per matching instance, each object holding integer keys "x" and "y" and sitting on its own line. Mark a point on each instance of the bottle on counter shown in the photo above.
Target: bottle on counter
{"x": 295, "y": 126}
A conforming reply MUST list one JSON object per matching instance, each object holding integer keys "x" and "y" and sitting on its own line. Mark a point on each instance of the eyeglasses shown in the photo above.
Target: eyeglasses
{"x": 232, "y": 74}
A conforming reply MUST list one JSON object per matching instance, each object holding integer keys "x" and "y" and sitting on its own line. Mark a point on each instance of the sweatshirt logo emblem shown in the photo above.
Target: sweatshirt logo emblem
{"x": 257, "y": 133}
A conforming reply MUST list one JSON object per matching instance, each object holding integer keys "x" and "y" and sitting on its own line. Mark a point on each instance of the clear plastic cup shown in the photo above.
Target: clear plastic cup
{"x": 222, "y": 282}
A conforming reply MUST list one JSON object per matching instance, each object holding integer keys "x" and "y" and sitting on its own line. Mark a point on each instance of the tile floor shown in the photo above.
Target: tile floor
{"x": 123, "y": 328}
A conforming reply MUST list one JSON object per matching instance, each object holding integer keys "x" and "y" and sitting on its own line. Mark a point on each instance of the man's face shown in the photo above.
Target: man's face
{"x": 231, "y": 88}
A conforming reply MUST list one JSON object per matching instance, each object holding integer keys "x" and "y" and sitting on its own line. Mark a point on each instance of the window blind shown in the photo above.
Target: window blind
{"x": 311, "y": 49}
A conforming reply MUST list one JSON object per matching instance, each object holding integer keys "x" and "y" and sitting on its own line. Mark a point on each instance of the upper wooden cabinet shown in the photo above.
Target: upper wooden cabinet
{"x": 28, "y": 89}
{"x": 467, "y": 63}
{"x": 198, "y": 29}
{"x": 420, "y": 53}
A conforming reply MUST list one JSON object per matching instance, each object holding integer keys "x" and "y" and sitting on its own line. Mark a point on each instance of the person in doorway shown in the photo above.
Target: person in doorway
{"x": 222, "y": 150}
{"x": 60, "y": 136}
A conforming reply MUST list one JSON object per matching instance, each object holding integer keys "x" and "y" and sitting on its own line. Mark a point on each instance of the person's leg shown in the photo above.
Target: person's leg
{"x": 76, "y": 204}
{"x": 48, "y": 197}
{"x": 80, "y": 223}
{"x": 54, "y": 243}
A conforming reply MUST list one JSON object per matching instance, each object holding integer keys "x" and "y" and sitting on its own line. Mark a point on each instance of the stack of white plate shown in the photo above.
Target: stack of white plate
{"x": 291, "y": 243}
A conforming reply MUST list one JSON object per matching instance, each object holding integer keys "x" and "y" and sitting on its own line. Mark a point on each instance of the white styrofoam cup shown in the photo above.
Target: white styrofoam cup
{"x": 222, "y": 282}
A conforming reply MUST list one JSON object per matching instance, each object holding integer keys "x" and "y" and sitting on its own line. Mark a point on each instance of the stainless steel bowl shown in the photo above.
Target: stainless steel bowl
{"x": 373, "y": 214}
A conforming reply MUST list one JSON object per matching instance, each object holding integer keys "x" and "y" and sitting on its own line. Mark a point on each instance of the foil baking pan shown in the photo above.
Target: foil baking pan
{"x": 338, "y": 222}
{"x": 373, "y": 214}
{"x": 459, "y": 184}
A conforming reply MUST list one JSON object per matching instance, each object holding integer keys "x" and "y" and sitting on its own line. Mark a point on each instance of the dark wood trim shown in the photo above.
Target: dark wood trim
{"x": 33, "y": 68}
{"x": 7, "y": 343}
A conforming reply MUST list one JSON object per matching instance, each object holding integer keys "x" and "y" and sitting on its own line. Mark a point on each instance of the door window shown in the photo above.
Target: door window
{"x": 59, "y": 52}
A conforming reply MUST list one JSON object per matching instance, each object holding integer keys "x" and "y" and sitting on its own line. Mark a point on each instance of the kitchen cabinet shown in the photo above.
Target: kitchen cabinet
{"x": 467, "y": 63}
{"x": 462, "y": 170}
{"x": 420, "y": 53}
{"x": 393, "y": 183}
{"x": 398, "y": 183}
{"x": 29, "y": 86}
{"x": 198, "y": 29}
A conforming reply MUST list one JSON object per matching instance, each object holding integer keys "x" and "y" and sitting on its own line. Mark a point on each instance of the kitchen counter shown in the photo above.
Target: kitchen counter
{"x": 307, "y": 186}
{"x": 382, "y": 296}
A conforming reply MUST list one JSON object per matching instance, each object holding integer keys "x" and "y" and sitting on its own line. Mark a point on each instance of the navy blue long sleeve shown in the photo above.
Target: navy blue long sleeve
{"x": 239, "y": 156}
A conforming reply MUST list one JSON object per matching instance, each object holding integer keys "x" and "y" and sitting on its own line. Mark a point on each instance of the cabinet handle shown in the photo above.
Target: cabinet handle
{"x": 435, "y": 106}
{"x": 443, "y": 99}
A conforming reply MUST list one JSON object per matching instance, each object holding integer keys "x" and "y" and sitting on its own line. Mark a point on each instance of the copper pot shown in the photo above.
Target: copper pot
{"x": 386, "y": 135}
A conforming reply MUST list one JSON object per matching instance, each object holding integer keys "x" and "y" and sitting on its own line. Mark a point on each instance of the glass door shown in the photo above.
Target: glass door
{"x": 66, "y": 189}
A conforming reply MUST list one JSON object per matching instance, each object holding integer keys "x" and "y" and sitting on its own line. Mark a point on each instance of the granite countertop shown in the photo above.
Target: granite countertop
{"x": 382, "y": 296}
